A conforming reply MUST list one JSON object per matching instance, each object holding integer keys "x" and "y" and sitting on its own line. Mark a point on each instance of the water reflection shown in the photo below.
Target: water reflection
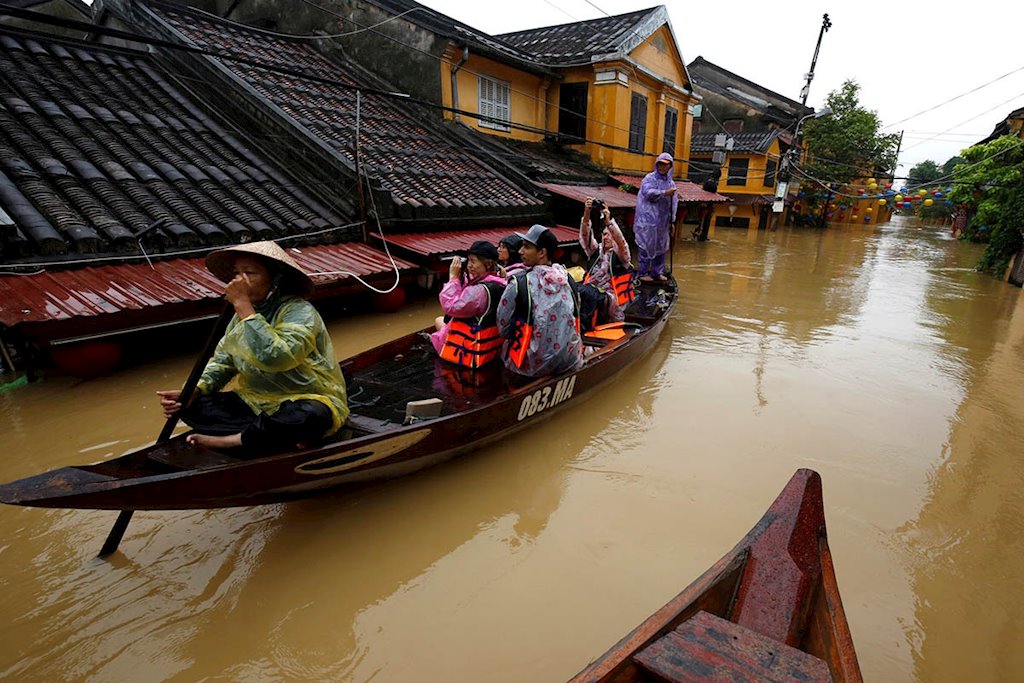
{"x": 966, "y": 543}
{"x": 874, "y": 355}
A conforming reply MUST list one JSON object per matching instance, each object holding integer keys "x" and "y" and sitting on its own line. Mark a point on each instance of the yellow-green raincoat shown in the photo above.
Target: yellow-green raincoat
{"x": 287, "y": 358}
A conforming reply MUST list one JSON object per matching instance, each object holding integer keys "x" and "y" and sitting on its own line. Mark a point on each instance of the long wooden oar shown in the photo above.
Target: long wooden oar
{"x": 121, "y": 524}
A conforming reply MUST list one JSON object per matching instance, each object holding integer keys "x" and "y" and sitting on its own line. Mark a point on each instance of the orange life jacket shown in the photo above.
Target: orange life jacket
{"x": 622, "y": 279}
{"x": 522, "y": 319}
{"x": 475, "y": 342}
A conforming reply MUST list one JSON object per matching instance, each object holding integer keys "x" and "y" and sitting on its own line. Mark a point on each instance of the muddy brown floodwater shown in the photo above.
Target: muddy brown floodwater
{"x": 876, "y": 356}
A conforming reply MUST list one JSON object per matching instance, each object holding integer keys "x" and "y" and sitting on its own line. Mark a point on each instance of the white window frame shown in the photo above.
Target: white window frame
{"x": 495, "y": 100}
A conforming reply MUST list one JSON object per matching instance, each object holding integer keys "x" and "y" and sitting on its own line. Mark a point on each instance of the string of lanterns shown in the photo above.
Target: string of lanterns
{"x": 903, "y": 198}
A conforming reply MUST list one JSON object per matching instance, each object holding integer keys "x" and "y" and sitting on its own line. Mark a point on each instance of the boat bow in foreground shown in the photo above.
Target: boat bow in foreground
{"x": 767, "y": 611}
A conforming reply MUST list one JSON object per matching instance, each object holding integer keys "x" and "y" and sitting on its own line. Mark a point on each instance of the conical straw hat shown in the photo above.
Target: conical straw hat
{"x": 222, "y": 262}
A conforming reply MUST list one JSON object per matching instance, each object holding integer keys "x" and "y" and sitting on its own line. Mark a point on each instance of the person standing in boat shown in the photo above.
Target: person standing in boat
{"x": 655, "y": 212}
{"x": 508, "y": 254}
{"x": 290, "y": 391}
{"x": 538, "y": 314}
{"x": 610, "y": 271}
{"x": 470, "y": 336}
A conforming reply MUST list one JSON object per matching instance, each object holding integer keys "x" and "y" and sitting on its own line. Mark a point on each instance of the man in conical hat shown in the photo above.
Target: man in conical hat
{"x": 290, "y": 389}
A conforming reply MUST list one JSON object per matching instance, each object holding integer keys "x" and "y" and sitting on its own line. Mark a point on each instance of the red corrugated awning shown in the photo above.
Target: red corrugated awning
{"x": 86, "y": 292}
{"x": 439, "y": 243}
{"x": 611, "y": 196}
{"x": 687, "y": 191}
{"x": 755, "y": 199}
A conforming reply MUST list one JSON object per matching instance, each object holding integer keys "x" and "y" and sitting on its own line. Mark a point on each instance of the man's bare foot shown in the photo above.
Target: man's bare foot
{"x": 206, "y": 441}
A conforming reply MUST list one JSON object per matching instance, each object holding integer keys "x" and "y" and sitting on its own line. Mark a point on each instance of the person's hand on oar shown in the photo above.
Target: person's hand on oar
{"x": 170, "y": 401}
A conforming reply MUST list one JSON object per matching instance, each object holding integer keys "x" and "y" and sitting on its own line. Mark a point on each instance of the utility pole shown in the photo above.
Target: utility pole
{"x": 896, "y": 163}
{"x": 826, "y": 24}
{"x": 723, "y": 143}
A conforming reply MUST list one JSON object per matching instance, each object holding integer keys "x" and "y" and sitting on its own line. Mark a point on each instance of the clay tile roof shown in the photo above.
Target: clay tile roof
{"x": 752, "y": 142}
{"x": 442, "y": 24}
{"x": 428, "y": 171}
{"x": 581, "y": 41}
{"x": 687, "y": 191}
{"x": 97, "y": 148}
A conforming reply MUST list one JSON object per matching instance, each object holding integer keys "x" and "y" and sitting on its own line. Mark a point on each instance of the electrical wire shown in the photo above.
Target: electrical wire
{"x": 953, "y": 99}
{"x": 530, "y": 96}
{"x": 918, "y": 144}
{"x": 10, "y": 270}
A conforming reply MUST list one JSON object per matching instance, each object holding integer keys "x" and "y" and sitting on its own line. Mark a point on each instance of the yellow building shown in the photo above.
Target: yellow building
{"x": 623, "y": 92}
{"x": 615, "y": 88}
{"x": 747, "y": 175}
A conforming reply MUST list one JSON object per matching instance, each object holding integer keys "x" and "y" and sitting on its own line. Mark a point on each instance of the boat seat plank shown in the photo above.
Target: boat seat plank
{"x": 190, "y": 458}
{"x": 371, "y": 425}
{"x": 709, "y": 648}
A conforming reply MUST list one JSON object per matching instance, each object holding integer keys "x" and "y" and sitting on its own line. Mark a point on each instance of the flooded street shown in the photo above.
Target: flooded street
{"x": 876, "y": 356}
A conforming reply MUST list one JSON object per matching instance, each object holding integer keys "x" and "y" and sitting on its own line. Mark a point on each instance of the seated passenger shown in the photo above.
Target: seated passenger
{"x": 290, "y": 389}
{"x": 508, "y": 254}
{"x": 539, "y": 314}
{"x": 470, "y": 336}
{"x": 609, "y": 268}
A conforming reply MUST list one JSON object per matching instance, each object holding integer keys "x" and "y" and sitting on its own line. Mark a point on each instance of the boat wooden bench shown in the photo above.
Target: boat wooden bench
{"x": 706, "y": 642}
{"x": 370, "y": 425}
{"x": 192, "y": 458}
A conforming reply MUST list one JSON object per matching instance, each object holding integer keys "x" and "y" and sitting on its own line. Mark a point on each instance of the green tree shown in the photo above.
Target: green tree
{"x": 924, "y": 173}
{"x": 947, "y": 168}
{"x": 848, "y": 145}
{"x": 990, "y": 183}
{"x": 844, "y": 146}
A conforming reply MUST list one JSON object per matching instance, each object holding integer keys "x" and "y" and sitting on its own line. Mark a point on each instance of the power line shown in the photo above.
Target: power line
{"x": 953, "y": 99}
{"x": 917, "y": 144}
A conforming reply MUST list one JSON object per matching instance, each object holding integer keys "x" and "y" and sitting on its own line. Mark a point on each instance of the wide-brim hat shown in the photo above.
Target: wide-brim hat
{"x": 222, "y": 262}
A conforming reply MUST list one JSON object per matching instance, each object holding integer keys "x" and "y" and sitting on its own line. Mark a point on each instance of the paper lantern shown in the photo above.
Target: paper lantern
{"x": 872, "y": 186}
{"x": 928, "y": 202}
{"x": 868, "y": 210}
{"x": 881, "y": 202}
{"x": 867, "y": 219}
{"x": 888, "y": 185}
{"x": 860, "y": 191}
{"x": 922, "y": 192}
{"x": 899, "y": 198}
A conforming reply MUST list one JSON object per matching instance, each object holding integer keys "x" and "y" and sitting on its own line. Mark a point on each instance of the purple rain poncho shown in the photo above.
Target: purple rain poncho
{"x": 655, "y": 211}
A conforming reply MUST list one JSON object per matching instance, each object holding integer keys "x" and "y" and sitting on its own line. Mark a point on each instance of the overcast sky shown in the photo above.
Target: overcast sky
{"x": 906, "y": 57}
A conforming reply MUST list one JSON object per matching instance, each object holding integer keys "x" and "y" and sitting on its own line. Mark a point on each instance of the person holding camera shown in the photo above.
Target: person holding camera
{"x": 655, "y": 212}
{"x": 609, "y": 269}
{"x": 467, "y": 334}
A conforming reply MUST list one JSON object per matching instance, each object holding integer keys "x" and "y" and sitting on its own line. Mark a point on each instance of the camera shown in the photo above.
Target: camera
{"x": 597, "y": 205}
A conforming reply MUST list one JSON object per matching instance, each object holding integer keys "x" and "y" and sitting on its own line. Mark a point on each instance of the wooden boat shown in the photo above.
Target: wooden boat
{"x": 476, "y": 407}
{"x": 767, "y": 611}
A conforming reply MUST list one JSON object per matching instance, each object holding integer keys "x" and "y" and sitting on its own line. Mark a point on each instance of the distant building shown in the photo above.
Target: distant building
{"x": 758, "y": 125}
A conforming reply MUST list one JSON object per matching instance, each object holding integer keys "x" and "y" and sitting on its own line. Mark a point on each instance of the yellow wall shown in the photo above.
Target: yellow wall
{"x": 658, "y": 53}
{"x": 535, "y": 102}
{"x": 528, "y": 93}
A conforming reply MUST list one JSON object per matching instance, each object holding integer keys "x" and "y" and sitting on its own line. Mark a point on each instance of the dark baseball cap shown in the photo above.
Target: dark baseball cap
{"x": 542, "y": 238}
